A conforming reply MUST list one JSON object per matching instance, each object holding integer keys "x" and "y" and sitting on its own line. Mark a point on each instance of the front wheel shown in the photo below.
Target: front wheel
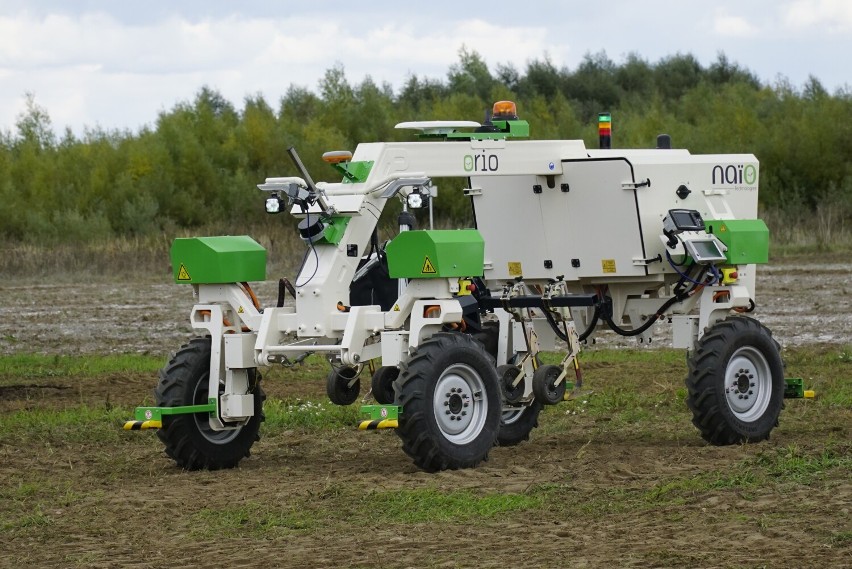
{"x": 189, "y": 440}
{"x": 736, "y": 382}
{"x": 450, "y": 401}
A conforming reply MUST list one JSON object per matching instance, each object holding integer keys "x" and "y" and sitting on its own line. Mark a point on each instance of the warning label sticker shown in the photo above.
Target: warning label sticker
{"x": 183, "y": 274}
{"x": 608, "y": 265}
{"x": 428, "y": 267}
{"x": 515, "y": 269}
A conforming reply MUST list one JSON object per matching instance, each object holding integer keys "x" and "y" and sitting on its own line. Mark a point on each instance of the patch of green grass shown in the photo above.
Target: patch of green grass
{"x": 419, "y": 506}
{"x": 825, "y": 369}
{"x": 794, "y": 464}
{"x": 85, "y": 424}
{"x": 31, "y": 366}
{"x": 308, "y": 414}
{"x": 251, "y": 518}
{"x": 428, "y": 505}
{"x": 34, "y": 519}
{"x": 79, "y": 424}
{"x": 840, "y": 538}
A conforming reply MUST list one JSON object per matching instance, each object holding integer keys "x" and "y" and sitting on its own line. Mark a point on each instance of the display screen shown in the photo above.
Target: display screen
{"x": 706, "y": 250}
{"x": 686, "y": 219}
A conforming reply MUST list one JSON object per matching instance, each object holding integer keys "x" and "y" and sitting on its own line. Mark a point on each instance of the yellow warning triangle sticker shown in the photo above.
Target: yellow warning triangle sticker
{"x": 240, "y": 311}
{"x": 428, "y": 267}
{"x": 183, "y": 274}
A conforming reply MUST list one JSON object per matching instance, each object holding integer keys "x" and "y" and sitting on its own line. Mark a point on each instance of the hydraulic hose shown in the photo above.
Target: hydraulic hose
{"x": 678, "y": 297}
{"x": 650, "y": 322}
{"x": 582, "y": 337}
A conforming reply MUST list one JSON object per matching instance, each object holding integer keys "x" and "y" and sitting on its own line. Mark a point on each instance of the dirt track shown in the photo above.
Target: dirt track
{"x": 616, "y": 493}
{"x": 801, "y": 301}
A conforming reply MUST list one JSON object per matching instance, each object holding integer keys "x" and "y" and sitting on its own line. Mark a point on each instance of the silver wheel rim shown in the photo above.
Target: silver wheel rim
{"x": 202, "y": 421}
{"x": 460, "y": 404}
{"x": 748, "y": 384}
{"x": 512, "y": 414}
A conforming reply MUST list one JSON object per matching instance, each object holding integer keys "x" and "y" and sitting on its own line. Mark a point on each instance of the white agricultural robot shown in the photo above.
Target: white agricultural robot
{"x": 566, "y": 241}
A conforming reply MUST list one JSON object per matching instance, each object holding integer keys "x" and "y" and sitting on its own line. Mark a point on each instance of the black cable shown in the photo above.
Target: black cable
{"x": 374, "y": 214}
{"x": 660, "y": 311}
{"x": 582, "y": 337}
{"x": 592, "y": 324}
{"x": 553, "y": 324}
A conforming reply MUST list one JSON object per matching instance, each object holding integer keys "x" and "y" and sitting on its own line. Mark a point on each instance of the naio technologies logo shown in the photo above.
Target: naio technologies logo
{"x": 735, "y": 176}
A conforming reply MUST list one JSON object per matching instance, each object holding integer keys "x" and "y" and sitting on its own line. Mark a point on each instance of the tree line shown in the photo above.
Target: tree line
{"x": 198, "y": 164}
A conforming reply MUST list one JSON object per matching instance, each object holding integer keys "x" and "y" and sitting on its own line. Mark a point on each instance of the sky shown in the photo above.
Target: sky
{"x": 115, "y": 65}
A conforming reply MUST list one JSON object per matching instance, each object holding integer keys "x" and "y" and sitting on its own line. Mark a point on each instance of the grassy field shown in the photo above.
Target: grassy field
{"x": 617, "y": 477}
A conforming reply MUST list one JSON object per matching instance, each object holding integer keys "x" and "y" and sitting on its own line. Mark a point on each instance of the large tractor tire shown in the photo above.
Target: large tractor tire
{"x": 451, "y": 403}
{"x": 736, "y": 382}
{"x": 189, "y": 440}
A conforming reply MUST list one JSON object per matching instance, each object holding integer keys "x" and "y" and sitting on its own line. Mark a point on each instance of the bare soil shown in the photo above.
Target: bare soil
{"x": 117, "y": 501}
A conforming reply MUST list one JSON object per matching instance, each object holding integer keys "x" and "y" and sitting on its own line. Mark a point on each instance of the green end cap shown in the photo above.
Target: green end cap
{"x": 747, "y": 240}
{"x": 215, "y": 260}
{"x": 795, "y": 388}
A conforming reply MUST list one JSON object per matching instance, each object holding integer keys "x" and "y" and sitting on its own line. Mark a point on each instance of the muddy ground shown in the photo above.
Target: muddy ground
{"x": 803, "y": 301}
{"x": 617, "y": 492}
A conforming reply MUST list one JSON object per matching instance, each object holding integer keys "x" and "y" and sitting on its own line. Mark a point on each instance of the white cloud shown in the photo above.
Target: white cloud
{"x": 92, "y": 69}
{"x": 113, "y": 64}
{"x": 833, "y": 16}
{"x": 733, "y": 26}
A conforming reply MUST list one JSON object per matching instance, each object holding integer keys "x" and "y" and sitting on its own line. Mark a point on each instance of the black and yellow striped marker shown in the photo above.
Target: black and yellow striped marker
{"x": 138, "y": 425}
{"x": 378, "y": 424}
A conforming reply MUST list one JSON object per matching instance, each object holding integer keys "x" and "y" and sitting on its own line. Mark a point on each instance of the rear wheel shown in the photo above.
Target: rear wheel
{"x": 382, "y": 384}
{"x": 189, "y": 439}
{"x": 450, "y": 402}
{"x": 736, "y": 382}
{"x": 518, "y": 419}
{"x": 545, "y": 387}
{"x": 516, "y": 423}
{"x": 342, "y": 385}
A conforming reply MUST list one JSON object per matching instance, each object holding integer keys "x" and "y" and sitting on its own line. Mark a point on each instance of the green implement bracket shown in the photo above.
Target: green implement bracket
{"x": 380, "y": 412}
{"x": 152, "y": 417}
{"x": 156, "y": 413}
{"x": 211, "y": 260}
{"x": 747, "y": 239}
{"x": 381, "y": 417}
{"x": 436, "y": 254}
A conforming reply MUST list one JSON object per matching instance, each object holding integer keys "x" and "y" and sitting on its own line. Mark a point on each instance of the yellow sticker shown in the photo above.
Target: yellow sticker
{"x": 396, "y": 308}
{"x": 240, "y": 310}
{"x": 515, "y": 269}
{"x": 183, "y": 274}
{"x": 608, "y": 265}
{"x": 428, "y": 267}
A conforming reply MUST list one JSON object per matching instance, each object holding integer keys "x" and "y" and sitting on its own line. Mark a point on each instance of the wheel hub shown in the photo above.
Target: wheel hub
{"x": 460, "y": 407}
{"x": 748, "y": 383}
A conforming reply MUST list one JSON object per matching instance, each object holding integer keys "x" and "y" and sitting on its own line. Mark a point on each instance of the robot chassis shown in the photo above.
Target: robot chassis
{"x": 567, "y": 241}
